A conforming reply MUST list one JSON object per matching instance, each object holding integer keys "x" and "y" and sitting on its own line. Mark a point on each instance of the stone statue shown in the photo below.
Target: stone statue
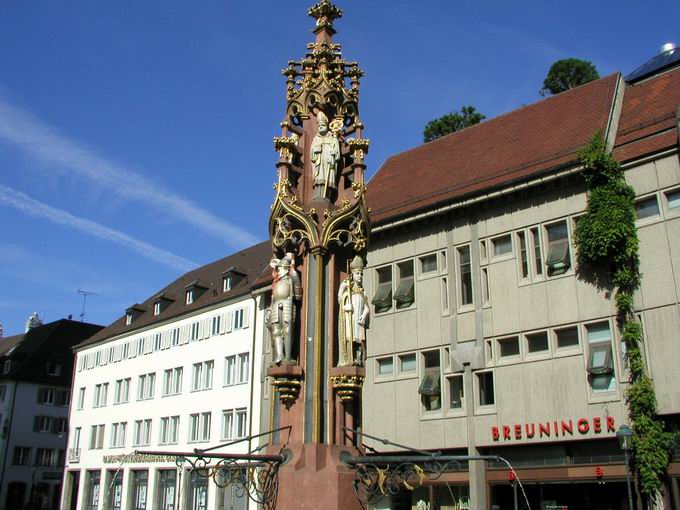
{"x": 353, "y": 316}
{"x": 280, "y": 318}
{"x": 324, "y": 155}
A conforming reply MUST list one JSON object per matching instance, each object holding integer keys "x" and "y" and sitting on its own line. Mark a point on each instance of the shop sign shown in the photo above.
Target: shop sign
{"x": 553, "y": 429}
{"x": 137, "y": 458}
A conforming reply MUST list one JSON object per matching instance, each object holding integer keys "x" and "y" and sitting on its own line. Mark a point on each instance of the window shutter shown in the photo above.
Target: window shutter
{"x": 54, "y": 424}
{"x": 200, "y": 330}
{"x": 246, "y": 316}
{"x": 230, "y": 321}
{"x": 206, "y": 328}
{"x": 223, "y": 323}
{"x": 185, "y": 333}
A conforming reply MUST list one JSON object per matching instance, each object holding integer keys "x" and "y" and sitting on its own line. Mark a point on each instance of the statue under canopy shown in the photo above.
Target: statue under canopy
{"x": 353, "y": 316}
{"x": 280, "y": 318}
{"x": 324, "y": 155}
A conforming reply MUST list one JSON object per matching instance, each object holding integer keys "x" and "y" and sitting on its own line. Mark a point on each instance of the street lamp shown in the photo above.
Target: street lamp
{"x": 624, "y": 434}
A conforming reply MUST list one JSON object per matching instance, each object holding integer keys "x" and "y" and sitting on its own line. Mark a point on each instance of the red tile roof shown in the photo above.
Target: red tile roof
{"x": 533, "y": 139}
{"x": 649, "y": 110}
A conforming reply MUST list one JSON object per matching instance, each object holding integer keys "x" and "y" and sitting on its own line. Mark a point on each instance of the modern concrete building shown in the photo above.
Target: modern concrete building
{"x": 172, "y": 374}
{"x": 35, "y": 383}
{"x": 484, "y": 337}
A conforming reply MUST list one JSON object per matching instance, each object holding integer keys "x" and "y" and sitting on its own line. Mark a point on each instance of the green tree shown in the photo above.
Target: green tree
{"x": 452, "y": 122}
{"x": 567, "y": 74}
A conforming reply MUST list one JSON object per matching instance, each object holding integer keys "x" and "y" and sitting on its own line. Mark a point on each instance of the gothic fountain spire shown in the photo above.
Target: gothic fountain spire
{"x": 325, "y": 13}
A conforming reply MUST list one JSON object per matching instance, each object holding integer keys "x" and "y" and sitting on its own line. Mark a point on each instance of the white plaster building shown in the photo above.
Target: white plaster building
{"x": 35, "y": 381}
{"x": 173, "y": 374}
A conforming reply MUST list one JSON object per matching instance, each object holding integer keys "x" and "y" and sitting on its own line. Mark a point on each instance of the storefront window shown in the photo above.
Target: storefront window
{"x": 167, "y": 485}
{"x": 140, "y": 483}
{"x": 115, "y": 490}
{"x": 93, "y": 482}
{"x": 198, "y": 492}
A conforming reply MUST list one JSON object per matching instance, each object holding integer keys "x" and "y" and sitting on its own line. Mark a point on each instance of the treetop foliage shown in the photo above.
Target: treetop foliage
{"x": 567, "y": 74}
{"x": 452, "y": 122}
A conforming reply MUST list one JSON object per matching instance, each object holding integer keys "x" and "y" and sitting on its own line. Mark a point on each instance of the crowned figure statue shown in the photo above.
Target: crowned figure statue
{"x": 325, "y": 154}
{"x": 353, "y": 316}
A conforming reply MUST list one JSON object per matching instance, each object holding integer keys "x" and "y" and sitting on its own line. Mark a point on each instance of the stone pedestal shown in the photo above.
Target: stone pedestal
{"x": 315, "y": 479}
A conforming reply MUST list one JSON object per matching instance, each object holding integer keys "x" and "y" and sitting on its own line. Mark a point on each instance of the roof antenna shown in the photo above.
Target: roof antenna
{"x": 85, "y": 293}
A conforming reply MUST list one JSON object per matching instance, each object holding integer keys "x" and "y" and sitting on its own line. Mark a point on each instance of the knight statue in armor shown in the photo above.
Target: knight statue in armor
{"x": 280, "y": 318}
{"x": 325, "y": 154}
{"x": 353, "y": 316}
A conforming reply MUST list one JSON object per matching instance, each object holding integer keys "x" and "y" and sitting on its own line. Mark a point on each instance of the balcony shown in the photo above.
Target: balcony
{"x": 73, "y": 455}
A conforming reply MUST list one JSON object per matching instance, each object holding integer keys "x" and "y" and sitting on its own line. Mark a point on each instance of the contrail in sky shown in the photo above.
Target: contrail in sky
{"x": 32, "y": 207}
{"x": 42, "y": 142}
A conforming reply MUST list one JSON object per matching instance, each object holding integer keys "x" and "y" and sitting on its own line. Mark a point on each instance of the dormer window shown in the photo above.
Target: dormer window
{"x": 231, "y": 277}
{"x": 7, "y": 366}
{"x": 53, "y": 369}
{"x": 157, "y": 308}
{"x": 132, "y": 313}
{"x": 161, "y": 303}
{"x": 193, "y": 291}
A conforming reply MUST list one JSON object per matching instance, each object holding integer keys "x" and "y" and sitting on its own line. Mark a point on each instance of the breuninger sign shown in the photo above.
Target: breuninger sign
{"x": 553, "y": 428}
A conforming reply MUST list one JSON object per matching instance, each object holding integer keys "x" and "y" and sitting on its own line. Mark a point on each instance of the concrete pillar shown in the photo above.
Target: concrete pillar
{"x": 477, "y": 468}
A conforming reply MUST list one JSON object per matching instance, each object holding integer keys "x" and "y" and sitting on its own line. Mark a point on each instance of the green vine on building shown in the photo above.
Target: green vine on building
{"x": 608, "y": 255}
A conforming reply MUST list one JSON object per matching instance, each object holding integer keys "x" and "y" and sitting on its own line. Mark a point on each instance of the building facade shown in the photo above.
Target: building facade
{"x": 172, "y": 375}
{"x": 35, "y": 384}
{"x": 486, "y": 339}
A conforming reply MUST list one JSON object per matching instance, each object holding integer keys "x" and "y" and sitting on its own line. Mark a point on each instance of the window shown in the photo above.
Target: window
{"x": 382, "y": 300}
{"x": 238, "y": 319}
{"x": 486, "y": 390}
{"x": 523, "y": 255}
{"x": 229, "y": 370}
{"x": 175, "y": 337}
{"x": 243, "y": 366}
{"x": 215, "y": 325}
{"x": 100, "y": 394}
{"x": 62, "y": 425}
{"x": 647, "y": 208}
{"x": 536, "y": 242}
{"x": 47, "y": 396}
{"x": 140, "y": 483}
{"x": 189, "y": 297}
{"x": 172, "y": 381}
{"x": 22, "y": 456}
{"x": 122, "y": 391}
{"x": 485, "y": 285}
{"x": 407, "y": 363}
{"x": 502, "y": 245}
{"x": 445, "y": 295}
{"x": 76, "y": 437}
{"x": 508, "y": 347}
{"x": 405, "y": 293}
{"x": 81, "y": 398}
{"x": 157, "y": 342}
{"x": 53, "y": 368}
{"x": 241, "y": 423}
{"x": 169, "y": 430}
{"x": 128, "y": 319}
{"x": 465, "y": 271}
{"x": 538, "y": 342}
{"x": 430, "y": 385}
{"x": 202, "y": 376}
{"x": 142, "y": 436}
{"x": 456, "y": 392}
{"x": 195, "y": 331}
{"x": 558, "y": 260}
{"x": 386, "y": 366}
{"x": 118, "y": 434}
{"x": 428, "y": 264}
{"x": 226, "y": 284}
{"x": 673, "y": 199}
{"x": 227, "y": 423}
{"x": 482, "y": 251}
{"x": 44, "y": 457}
{"x": 97, "y": 437}
{"x": 146, "y": 386}
{"x": 600, "y": 363}
{"x": 166, "y": 489}
{"x": 567, "y": 337}
{"x": 157, "y": 308}
{"x": 199, "y": 429}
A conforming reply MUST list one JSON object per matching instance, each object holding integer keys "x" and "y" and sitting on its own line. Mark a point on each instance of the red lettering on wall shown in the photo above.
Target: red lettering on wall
{"x": 506, "y": 432}
{"x": 544, "y": 429}
{"x": 583, "y": 426}
{"x": 555, "y": 428}
{"x": 494, "y": 433}
{"x": 518, "y": 431}
{"x": 610, "y": 424}
{"x": 530, "y": 431}
{"x": 567, "y": 426}
{"x": 597, "y": 425}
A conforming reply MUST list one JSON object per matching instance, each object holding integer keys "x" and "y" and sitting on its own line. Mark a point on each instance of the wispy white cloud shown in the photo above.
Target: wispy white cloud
{"x": 28, "y": 205}
{"x": 43, "y": 143}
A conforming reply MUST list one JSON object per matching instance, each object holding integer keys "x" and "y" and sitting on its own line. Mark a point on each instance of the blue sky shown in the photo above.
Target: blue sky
{"x": 136, "y": 136}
